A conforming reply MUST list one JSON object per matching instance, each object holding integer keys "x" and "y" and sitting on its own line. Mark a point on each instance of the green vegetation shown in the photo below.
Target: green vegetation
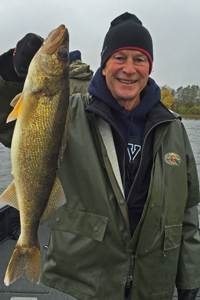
{"x": 185, "y": 101}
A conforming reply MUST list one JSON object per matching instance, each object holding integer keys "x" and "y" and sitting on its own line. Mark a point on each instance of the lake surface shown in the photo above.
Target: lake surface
{"x": 192, "y": 127}
{"x": 5, "y": 169}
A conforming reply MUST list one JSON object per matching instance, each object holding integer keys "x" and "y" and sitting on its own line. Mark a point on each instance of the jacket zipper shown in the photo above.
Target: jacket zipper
{"x": 129, "y": 278}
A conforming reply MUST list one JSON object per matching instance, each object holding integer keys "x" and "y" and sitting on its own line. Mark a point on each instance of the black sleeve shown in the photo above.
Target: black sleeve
{"x": 10, "y": 86}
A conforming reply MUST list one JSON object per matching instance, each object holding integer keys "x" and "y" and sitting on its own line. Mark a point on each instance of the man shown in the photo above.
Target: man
{"x": 129, "y": 228}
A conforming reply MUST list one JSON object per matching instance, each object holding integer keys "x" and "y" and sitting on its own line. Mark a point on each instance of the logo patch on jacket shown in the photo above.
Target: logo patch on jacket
{"x": 172, "y": 159}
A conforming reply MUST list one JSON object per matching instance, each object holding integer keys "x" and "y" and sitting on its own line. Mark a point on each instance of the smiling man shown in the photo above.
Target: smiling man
{"x": 129, "y": 228}
{"x": 145, "y": 133}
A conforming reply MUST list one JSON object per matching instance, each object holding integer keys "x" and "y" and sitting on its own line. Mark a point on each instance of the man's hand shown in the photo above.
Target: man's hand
{"x": 187, "y": 294}
{"x": 24, "y": 52}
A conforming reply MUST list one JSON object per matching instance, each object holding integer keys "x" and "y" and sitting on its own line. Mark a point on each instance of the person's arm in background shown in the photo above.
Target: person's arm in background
{"x": 13, "y": 70}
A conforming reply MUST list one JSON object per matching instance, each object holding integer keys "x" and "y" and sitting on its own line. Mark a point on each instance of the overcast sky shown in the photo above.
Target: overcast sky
{"x": 173, "y": 24}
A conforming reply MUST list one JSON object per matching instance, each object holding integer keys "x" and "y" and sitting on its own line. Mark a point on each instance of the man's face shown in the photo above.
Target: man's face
{"x": 126, "y": 74}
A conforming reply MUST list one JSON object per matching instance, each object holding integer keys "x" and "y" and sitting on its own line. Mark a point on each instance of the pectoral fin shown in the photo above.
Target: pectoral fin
{"x": 56, "y": 199}
{"x": 15, "y": 100}
{"x": 17, "y": 104}
{"x": 9, "y": 196}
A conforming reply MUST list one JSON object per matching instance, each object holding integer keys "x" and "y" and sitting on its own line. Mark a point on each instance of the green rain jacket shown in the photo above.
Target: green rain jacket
{"x": 91, "y": 254}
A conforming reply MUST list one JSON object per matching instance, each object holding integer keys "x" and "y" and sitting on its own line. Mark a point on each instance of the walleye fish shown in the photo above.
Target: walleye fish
{"x": 38, "y": 143}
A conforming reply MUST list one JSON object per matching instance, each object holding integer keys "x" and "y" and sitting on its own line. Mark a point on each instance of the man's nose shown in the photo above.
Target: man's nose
{"x": 129, "y": 67}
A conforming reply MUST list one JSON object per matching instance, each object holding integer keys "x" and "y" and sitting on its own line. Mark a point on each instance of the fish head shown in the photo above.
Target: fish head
{"x": 52, "y": 59}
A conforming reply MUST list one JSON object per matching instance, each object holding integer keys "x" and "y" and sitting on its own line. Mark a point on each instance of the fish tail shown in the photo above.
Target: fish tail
{"x": 24, "y": 259}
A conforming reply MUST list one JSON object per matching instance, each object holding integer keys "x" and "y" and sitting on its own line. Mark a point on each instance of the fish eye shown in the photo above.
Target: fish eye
{"x": 63, "y": 52}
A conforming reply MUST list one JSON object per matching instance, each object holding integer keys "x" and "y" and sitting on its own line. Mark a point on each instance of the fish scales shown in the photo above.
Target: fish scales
{"x": 44, "y": 151}
{"x": 38, "y": 143}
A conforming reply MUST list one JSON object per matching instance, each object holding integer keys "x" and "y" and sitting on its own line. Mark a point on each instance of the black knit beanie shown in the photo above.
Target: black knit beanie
{"x": 126, "y": 32}
{"x": 74, "y": 55}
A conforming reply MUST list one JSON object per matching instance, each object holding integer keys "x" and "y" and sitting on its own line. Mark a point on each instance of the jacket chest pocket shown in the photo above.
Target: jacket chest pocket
{"x": 172, "y": 237}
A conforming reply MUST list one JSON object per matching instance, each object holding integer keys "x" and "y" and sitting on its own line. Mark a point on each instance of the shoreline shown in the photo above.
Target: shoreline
{"x": 190, "y": 116}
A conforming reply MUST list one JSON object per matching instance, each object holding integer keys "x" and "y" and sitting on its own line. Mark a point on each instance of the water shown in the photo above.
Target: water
{"x": 193, "y": 130}
{"x": 5, "y": 169}
{"x": 192, "y": 127}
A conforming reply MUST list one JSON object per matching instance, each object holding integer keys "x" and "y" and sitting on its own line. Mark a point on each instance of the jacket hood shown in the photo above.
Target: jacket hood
{"x": 79, "y": 70}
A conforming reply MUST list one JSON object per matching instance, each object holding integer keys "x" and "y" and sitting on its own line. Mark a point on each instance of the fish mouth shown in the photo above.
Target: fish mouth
{"x": 57, "y": 37}
{"x": 127, "y": 81}
{"x": 57, "y": 34}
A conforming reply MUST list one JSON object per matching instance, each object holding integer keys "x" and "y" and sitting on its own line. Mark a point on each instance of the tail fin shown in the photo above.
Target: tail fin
{"x": 24, "y": 259}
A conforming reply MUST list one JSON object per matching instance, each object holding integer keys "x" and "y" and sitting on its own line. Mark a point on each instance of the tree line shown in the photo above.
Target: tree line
{"x": 184, "y": 100}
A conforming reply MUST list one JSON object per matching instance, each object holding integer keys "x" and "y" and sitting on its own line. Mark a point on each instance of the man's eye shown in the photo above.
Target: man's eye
{"x": 119, "y": 57}
{"x": 139, "y": 60}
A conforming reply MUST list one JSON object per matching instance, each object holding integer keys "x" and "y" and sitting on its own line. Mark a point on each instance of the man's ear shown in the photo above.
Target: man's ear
{"x": 104, "y": 71}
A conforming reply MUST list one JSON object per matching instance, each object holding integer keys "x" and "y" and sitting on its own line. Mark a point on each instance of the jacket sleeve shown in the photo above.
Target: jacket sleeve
{"x": 8, "y": 90}
{"x": 188, "y": 274}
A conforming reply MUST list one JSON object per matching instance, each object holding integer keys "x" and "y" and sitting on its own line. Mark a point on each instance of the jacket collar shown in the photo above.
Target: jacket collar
{"x": 101, "y": 109}
{"x": 158, "y": 114}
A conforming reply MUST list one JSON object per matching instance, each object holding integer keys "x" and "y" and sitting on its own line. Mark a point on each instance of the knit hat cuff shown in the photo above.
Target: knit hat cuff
{"x": 137, "y": 49}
